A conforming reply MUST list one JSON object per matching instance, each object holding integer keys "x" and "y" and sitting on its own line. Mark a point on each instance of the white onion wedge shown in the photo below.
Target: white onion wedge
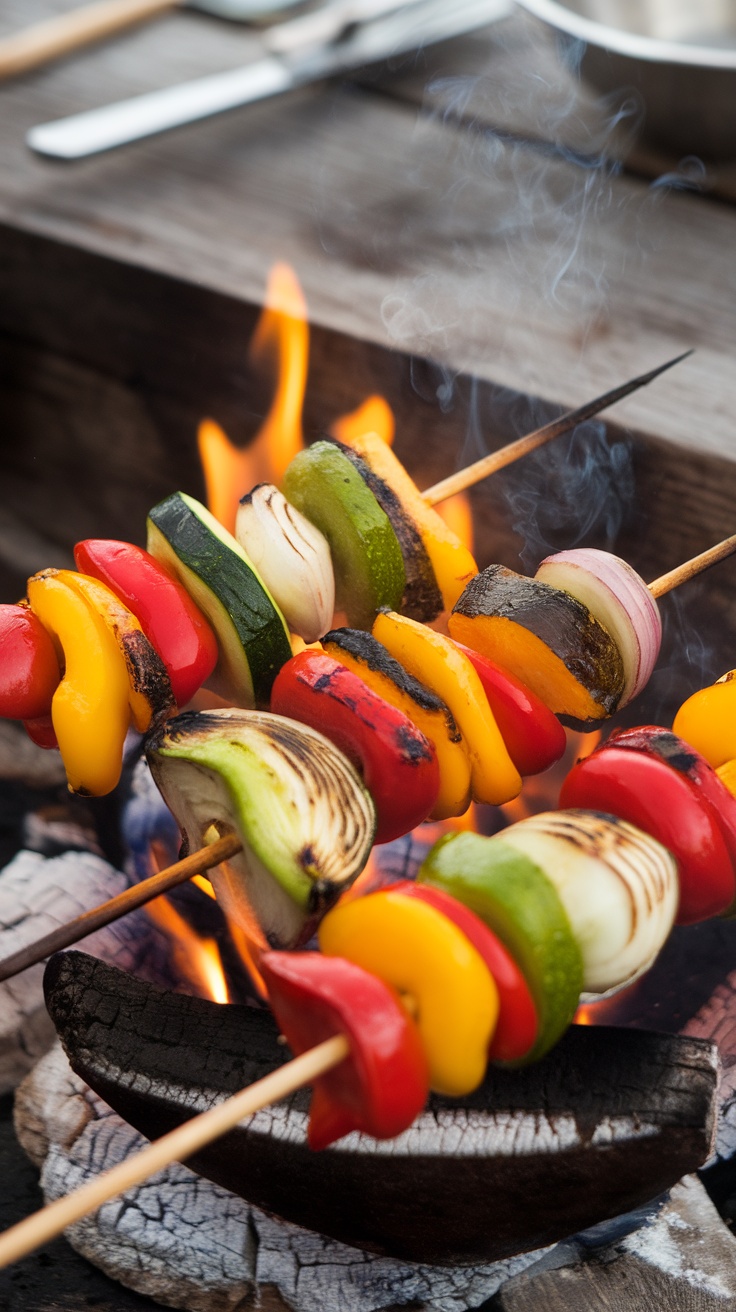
{"x": 619, "y": 599}
{"x": 292, "y": 557}
{"x": 618, "y": 885}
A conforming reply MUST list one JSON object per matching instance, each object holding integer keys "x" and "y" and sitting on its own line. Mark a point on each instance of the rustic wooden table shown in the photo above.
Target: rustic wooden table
{"x": 472, "y": 229}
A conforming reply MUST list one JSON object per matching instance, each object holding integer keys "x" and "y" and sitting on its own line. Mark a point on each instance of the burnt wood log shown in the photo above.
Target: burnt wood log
{"x": 190, "y": 1244}
{"x": 608, "y": 1120}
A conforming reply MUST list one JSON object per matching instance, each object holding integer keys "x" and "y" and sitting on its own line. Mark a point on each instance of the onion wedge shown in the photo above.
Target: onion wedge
{"x": 304, "y": 818}
{"x": 619, "y": 599}
{"x": 618, "y": 886}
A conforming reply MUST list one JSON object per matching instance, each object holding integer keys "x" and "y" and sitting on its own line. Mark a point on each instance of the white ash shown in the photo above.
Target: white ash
{"x": 674, "y": 1242}
{"x": 37, "y": 894}
{"x": 190, "y": 1244}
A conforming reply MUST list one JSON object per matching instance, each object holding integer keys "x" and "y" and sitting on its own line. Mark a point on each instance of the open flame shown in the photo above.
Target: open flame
{"x": 373, "y": 416}
{"x": 281, "y": 339}
{"x": 197, "y": 959}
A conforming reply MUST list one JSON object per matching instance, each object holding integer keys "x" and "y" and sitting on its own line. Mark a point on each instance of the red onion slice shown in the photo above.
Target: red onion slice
{"x": 619, "y": 599}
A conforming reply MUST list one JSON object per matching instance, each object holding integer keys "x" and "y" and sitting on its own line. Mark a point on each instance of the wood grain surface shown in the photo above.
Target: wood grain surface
{"x": 508, "y": 253}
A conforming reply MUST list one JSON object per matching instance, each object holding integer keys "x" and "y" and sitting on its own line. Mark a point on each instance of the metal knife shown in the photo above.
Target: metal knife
{"x": 407, "y": 28}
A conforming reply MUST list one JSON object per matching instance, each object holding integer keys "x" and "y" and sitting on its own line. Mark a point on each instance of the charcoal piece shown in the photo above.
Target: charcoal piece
{"x": 610, "y": 1119}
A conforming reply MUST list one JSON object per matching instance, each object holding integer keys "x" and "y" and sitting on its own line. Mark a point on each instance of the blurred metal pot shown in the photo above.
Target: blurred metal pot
{"x": 680, "y": 55}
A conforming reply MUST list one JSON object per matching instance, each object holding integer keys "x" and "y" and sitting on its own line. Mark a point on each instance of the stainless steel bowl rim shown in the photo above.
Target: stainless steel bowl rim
{"x": 628, "y": 43}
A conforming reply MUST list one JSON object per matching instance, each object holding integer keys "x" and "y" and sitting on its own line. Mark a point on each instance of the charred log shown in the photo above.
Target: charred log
{"x": 609, "y": 1120}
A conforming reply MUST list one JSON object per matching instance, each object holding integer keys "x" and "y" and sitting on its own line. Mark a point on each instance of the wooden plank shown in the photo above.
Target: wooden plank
{"x": 509, "y": 262}
{"x": 684, "y": 1260}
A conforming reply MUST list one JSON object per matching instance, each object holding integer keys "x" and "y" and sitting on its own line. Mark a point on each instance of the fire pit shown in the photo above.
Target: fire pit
{"x": 160, "y": 352}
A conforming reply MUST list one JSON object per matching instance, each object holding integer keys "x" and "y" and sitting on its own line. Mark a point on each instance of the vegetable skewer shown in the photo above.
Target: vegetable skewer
{"x": 200, "y": 861}
{"x": 413, "y": 922}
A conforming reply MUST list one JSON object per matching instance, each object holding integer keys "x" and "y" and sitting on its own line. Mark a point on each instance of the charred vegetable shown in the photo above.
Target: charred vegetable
{"x": 545, "y": 637}
{"x": 304, "y": 818}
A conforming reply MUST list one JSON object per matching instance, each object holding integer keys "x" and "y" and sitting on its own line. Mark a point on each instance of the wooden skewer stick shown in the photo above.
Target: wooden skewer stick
{"x": 689, "y": 568}
{"x": 222, "y": 848}
{"x": 490, "y": 464}
{"x": 137, "y": 896}
{"x": 176, "y": 1146}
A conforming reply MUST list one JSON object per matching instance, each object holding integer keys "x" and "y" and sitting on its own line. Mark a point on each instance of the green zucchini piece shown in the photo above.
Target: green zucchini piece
{"x": 251, "y": 631}
{"x": 422, "y": 599}
{"x": 369, "y": 568}
{"x": 521, "y": 905}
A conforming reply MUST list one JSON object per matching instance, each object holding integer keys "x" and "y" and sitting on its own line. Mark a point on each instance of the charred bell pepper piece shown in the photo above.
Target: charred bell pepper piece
{"x": 171, "y": 621}
{"x": 90, "y": 708}
{"x": 29, "y": 669}
{"x": 648, "y": 783}
{"x": 517, "y": 1025}
{"x": 545, "y": 637}
{"x": 369, "y": 570}
{"x": 618, "y": 886}
{"x": 149, "y": 689}
{"x": 437, "y": 661}
{"x": 367, "y": 657}
{"x": 252, "y": 636}
{"x": 418, "y": 951}
{"x": 397, "y": 763}
{"x": 382, "y": 1084}
{"x": 304, "y": 818}
{"x": 707, "y": 721}
{"x": 508, "y": 891}
{"x": 452, "y": 562}
{"x": 534, "y": 737}
{"x": 422, "y": 599}
{"x": 292, "y": 557}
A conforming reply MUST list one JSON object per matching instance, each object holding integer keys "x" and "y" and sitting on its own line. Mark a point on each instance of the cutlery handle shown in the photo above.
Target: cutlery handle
{"x": 56, "y": 36}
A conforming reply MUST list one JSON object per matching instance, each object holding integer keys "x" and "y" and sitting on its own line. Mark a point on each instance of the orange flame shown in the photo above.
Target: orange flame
{"x": 282, "y": 335}
{"x": 373, "y": 416}
{"x": 248, "y": 952}
{"x": 197, "y": 959}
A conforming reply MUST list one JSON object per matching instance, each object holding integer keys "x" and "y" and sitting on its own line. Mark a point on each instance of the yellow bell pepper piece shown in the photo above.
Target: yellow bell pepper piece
{"x": 727, "y": 775}
{"x": 413, "y": 947}
{"x": 89, "y": 711}
{"x": 436, "y": 661}
{"x": 437, "y": 724}
{"x": 707, "y": 721}
{"x": 149, "y": 688}
{"x": 452, "y": 562}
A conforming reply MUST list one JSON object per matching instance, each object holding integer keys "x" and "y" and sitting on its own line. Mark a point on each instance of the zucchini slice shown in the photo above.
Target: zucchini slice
{"x": 369, "y": 569}
{"x": 251, "y": 631}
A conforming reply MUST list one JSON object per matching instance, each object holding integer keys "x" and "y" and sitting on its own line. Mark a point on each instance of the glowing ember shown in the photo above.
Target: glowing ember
{"x": 373, "y": 416}
{"x": 197, "y": 959}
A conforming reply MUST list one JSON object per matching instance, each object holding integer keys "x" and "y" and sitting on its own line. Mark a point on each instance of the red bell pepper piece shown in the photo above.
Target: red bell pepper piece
{"x": 29, "y": 668}
{"x": 398, "y": 764}
{"x": 171, "y": 621}
{"x": 681, "y": 756}
{"x": 533, "y": 735}
{"x": 647, "y": 791}
{"x": 41, "y": 731}
{"x": 517, "y": 1024}
{"x": 383, "y": 1083}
